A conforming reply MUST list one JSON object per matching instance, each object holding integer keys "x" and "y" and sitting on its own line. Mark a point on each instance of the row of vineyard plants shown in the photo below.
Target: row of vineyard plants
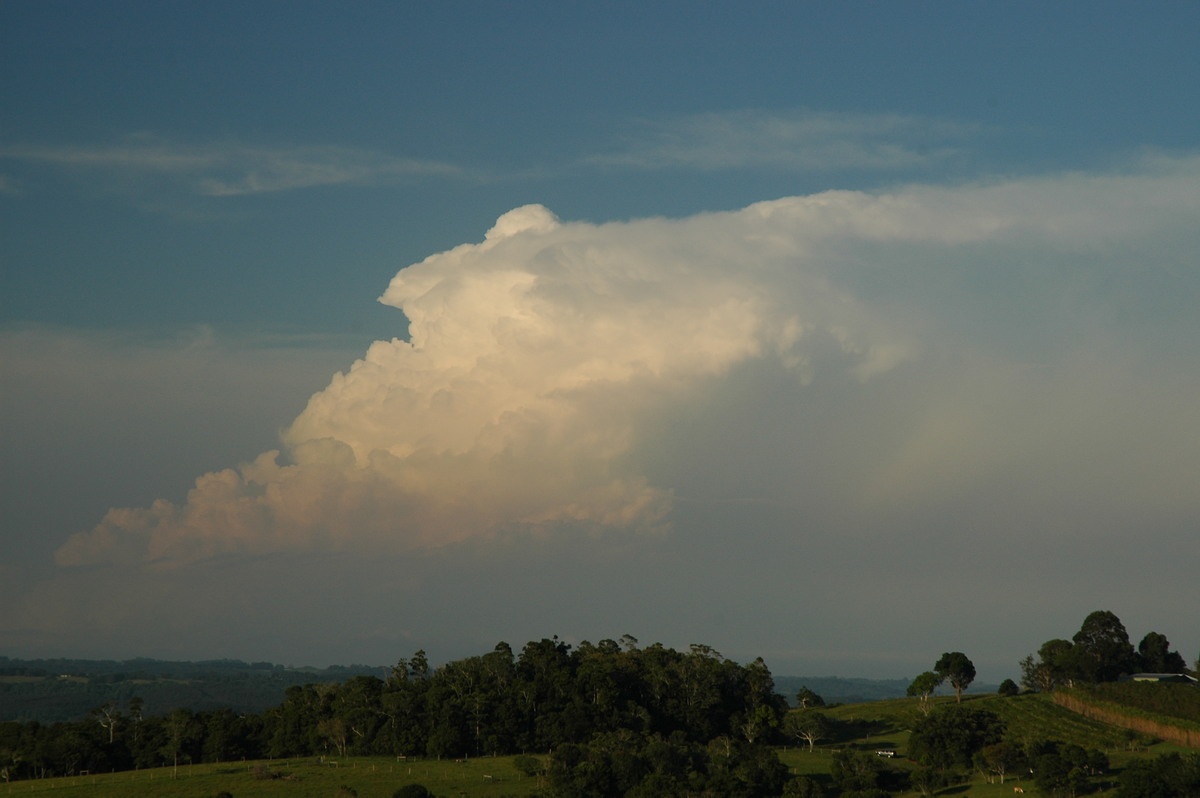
{"x": 1174, "y": 729}
{"x": 1170, "y": 699}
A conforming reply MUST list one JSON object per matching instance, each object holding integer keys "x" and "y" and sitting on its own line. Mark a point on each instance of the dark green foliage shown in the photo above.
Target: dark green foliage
{"x": 1056, "y": 777}
{"x": 996, "y": 761}
{"x": 1155, "y": 655}
{"x": 862, "y": 774}
{"x": 1099, "y": 652}
{"x": 413, "y": 791}
{"x": 497, "y": 703}
{"x": 855, "y": 771}
{"x": 1170, "y": 776}
{"x": 954, "y": 667}
{"x": 802, "y": 787}
{"x": 952, "y": 735}
{"x": 922, "y": 687}
{"x": 637, "y": 766}
{"x": 806, "y": 698}
{"x": 1008, "y": 688}
{"x": 1102, "y": 651}
{"x": 926, "y": 780}
{"x": 1056, "y": 665}
{"x": 1065, "y": 770}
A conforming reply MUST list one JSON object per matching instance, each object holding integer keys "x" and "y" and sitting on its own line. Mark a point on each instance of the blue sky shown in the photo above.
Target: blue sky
{"x": 840, "y": 333}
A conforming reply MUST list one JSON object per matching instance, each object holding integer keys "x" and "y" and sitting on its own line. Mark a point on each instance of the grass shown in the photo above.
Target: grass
{"x": 370, "y": 777}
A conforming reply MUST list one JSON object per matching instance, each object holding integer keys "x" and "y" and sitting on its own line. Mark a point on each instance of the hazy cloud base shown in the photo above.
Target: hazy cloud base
{"x": 858, "y": 399}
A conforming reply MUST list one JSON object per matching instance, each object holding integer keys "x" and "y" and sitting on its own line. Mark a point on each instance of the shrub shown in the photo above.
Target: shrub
{"x": 263, "y": 772}
{"x": 412, "y": 791}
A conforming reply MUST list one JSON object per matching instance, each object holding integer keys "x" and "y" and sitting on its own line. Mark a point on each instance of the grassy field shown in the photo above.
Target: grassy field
{"x": 370, "y": 777}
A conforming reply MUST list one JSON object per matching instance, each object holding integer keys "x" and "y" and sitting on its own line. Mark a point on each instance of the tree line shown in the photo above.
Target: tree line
{"x": 547, "y": 695}
{"x": 618, "y": 719}
{"x": 1099, "y": 652}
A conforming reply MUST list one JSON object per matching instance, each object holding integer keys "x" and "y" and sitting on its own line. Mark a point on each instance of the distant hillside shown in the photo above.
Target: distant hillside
{"x": 51, "y": 690}
{"x": 836, "y": 690}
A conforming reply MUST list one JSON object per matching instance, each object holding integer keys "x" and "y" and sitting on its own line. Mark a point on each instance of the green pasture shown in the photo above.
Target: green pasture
{"x": 370, "y": 777}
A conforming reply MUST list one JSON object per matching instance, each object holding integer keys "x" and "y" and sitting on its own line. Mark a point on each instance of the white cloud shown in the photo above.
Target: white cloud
{"x": 232, "y": 169}
{"x": 106, "y": 417}
{"x": 803, "y": 140}
{"x": 576, "y": 377}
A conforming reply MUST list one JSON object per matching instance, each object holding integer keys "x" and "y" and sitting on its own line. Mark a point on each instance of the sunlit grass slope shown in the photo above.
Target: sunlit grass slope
{"x": 370, "y": 777}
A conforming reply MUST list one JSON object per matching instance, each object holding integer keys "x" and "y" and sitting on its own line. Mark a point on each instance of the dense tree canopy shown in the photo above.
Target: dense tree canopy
{"x": 953, "y": 734}
{"x": 1155, "y": 655}
{"x": 1169, "y": 776}
{"x": 954, "y": 667}
{"x": 1099, "y": 652}
{"x": 496, "y": 703}
{"x": 1102, "y": 649}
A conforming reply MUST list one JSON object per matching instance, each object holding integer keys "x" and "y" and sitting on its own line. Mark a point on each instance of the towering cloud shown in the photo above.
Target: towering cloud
{"x": 540, "y": 363}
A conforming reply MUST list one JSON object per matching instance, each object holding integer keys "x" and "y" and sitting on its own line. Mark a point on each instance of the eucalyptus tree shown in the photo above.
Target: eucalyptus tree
{"x": 922, "y": 687}
{"x": 1102, "y": 648}
{"x": 1155, "y": 655}
{"x": 954, "y": 667}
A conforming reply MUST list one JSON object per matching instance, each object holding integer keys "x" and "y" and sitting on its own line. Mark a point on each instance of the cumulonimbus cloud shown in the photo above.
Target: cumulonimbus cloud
{"x": 537, "y": 358}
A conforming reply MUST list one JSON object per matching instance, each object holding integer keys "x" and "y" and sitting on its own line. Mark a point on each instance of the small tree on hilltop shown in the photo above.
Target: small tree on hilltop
{"x": 1155, "y": 655}
{"x": 955, "y": 668}
{"x": 923, "y": 687}
{"x": 807, "y": 698}
{"x": 1102, "y": 648}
